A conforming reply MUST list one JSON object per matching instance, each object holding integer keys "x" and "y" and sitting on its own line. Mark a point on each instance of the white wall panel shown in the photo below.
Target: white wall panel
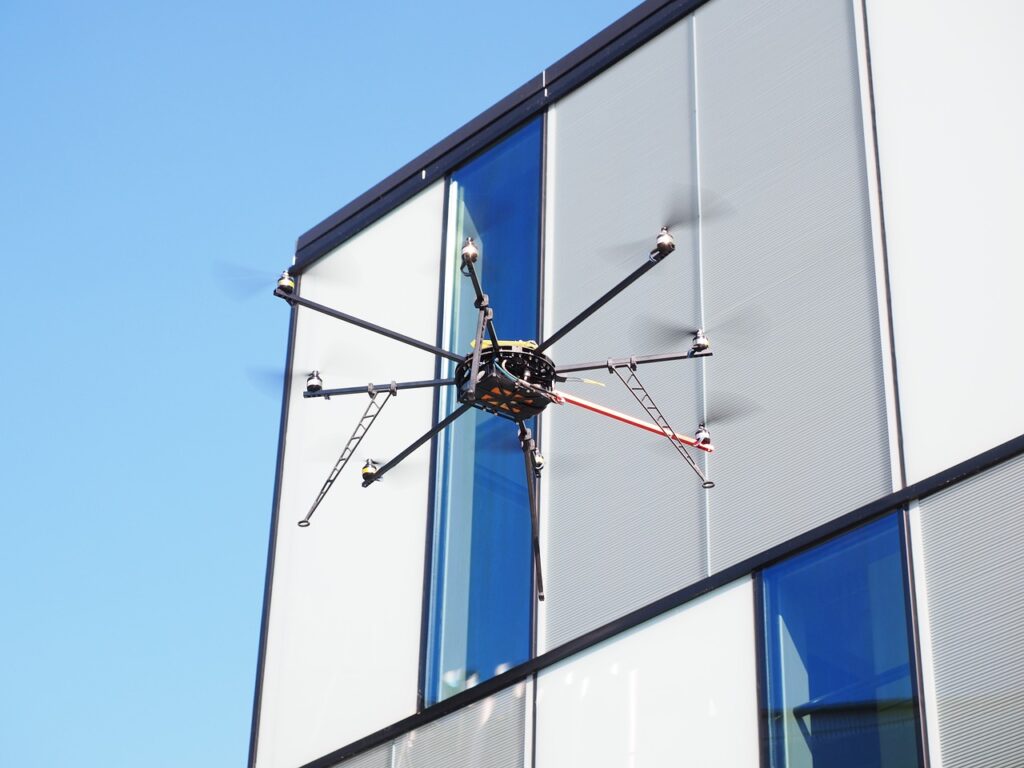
{"x": 624, "y": 515}
{"x": 949, "y": 117}
{"x": 342, "y": 653}
{"x": 679, "y": 690}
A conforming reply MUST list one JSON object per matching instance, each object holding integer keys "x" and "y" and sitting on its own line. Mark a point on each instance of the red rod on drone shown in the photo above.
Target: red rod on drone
{"x": 563, "y": 397}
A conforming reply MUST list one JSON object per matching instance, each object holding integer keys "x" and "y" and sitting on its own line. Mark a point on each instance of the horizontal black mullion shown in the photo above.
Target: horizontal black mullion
{"x": 561, "y": 83}
{"x": 751, "y": 566}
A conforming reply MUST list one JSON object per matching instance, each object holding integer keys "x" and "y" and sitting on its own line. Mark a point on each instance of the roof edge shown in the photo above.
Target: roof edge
{"x": 572, "y": 70}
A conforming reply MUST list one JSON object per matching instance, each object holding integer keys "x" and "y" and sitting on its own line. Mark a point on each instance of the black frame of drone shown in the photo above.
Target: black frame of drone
{"x": 527, "y": 393}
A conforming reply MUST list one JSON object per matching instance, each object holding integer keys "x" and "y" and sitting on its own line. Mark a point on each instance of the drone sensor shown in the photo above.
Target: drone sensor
{"x": 286, "y": 282}
{"x": 700, "y": 342}
{"x": 664, "y": 245}
{"x": 470, "y": 253}
{"x": 702, "y": 436}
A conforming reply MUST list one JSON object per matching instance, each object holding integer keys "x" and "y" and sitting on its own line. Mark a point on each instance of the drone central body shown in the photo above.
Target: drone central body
{"x": 513, "y": 381}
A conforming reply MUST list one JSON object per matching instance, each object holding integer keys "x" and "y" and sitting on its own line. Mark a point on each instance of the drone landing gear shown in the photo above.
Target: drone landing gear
{"x": 372, "y": 472}
{"x": 642, "y": 396}
{"x": 534, "y": 463}
{"x": 365, "y": 422}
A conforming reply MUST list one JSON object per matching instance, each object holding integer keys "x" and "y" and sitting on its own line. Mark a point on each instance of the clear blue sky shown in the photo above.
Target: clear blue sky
{"x": 154, "y": 157}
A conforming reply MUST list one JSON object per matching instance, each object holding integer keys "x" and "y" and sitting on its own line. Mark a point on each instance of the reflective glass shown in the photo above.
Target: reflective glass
{"x": 840, "y": 691}
{"x": 481, "y": 607}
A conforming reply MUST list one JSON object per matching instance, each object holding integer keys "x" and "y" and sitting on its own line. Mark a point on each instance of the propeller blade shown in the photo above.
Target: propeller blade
{"x": 571, "y": 463}
{"x": 743, "y": 327}
{"x": 726, "y": 407}
{"x": 679, "y": 211}
{"x": 241, "y": 282}
{"x": 269, "y": 380}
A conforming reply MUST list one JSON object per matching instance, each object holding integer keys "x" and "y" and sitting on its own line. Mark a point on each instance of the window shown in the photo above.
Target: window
{"x": 839, "y": 684}
{"x": 482, "y": 593}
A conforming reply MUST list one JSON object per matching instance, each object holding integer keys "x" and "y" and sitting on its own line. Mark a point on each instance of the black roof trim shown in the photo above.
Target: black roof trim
{"x": 601, "y": 51}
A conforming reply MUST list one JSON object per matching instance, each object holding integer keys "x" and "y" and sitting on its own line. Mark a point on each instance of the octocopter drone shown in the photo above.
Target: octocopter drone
{"x": 514, "y": 380}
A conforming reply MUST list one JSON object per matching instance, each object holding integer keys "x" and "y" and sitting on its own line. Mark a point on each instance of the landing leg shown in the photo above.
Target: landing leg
{"x": 533, "y": 467}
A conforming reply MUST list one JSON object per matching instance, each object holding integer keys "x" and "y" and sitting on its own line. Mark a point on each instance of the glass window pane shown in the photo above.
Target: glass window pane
{"x": 840, "y": 691}
{"x": 481, "y": 607}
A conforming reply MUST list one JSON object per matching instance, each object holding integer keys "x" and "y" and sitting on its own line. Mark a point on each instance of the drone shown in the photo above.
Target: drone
{"x": 513, "y": 380}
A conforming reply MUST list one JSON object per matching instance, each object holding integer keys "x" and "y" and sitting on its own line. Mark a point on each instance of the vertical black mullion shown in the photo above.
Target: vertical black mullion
{"x": 913, "y": 627}
{"x": 539, "y": 421}
{"x": 272, "y": 538}
{"x": 885, "y": 252}
{"x": 761, "y": 664}
{"x": 534, "y": 678}
{"x": 428, "y": 547}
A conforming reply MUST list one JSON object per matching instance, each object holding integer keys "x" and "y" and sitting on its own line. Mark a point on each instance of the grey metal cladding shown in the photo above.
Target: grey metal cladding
{"x": 378, "y": 757}
{"x": 624, "y": 514}
{"x": 789, "y": 292}
{"x": 972, "y": 537}
{"x": 488, "y": 734}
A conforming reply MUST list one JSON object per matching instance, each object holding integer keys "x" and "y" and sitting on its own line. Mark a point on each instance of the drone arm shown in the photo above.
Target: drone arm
{"x": 564, "y": 397}
{"x": 486, "y": 316}
{"x": 532, "y": 472}
{"x": 420, "y": 441}
{"x": 632, "y": 278}
{"x": 392, "y": 387}
{"x": 293, "y": 299}
{"x": 469, "y": 390}
{"x": 601, "y": 364}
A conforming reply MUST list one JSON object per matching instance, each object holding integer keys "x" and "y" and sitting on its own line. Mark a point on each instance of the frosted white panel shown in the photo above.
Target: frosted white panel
{"x": 679, "y": 690}
{"x": 342, "y": 653}
{"x": 970, "y": 581}
{"x": 949, "y": 116}
{"x": 624, "y": 516}
{"x": 795, "y": 393}
{"x": 488, "y": 734}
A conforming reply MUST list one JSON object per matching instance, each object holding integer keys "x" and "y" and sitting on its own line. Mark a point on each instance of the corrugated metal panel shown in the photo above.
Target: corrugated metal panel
{"x": 379, "y": 757}
{"x": 488, "y": 734}
{"x": 972, "y": 537}
{"x": 788, "y": 272}
{"x": 624, "y": 514}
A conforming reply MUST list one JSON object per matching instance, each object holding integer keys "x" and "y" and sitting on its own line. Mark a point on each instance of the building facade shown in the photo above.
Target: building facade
{"x": 843, "y": 180}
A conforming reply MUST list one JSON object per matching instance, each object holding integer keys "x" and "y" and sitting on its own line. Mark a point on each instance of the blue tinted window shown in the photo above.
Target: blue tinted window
{"x": 840, "y": 690}
{"x": 481, "y": 608}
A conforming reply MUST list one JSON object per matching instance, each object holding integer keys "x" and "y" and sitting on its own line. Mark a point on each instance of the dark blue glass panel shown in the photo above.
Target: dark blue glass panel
{"x": 481, "y": 608}
{"x": 840, "y": 691}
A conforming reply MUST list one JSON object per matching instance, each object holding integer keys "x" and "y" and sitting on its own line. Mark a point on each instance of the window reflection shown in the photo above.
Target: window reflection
{"x": 481, "y": 608}
{"x": 840, "y": 691}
